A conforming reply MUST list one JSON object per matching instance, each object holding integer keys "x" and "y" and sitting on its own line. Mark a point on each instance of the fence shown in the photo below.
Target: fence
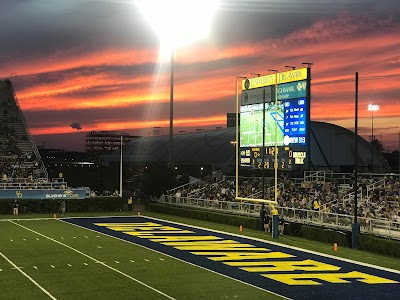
{"x": 377, "y": 227}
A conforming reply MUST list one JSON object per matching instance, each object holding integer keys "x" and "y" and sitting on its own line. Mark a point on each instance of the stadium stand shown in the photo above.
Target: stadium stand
{"x": 319, "y": 198}
{"x": 23, "y": 173}
{"x": 18, "y": 153}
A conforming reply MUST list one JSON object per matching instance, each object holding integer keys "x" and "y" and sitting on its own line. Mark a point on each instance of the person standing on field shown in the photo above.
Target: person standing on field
{"x": 63, "y": 207}
{"x": 15, "y": 207}
{"x": 130, "y": 203}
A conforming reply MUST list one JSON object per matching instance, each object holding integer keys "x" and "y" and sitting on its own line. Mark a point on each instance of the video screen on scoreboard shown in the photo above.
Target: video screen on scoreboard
{"x": 251, "y": 121}
{"x": 290, "y": 120}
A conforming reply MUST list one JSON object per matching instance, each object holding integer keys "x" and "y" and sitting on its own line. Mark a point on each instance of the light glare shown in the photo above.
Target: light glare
{"x": 179, "y": 22}
{"x": 373, "y": 107}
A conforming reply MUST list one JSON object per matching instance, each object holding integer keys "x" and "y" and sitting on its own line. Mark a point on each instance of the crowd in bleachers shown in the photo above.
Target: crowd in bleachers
{"x": 17, "y": 158}
{"x": 382, "y": 203}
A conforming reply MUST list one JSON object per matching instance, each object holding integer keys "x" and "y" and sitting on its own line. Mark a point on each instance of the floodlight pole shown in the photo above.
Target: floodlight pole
{"x": 120, "y": 171}
{"x": 171, "y": 115}
{"x": 355, "y": 227}
{"x": 372, "y": 108}
{"x": 237, "y": 135}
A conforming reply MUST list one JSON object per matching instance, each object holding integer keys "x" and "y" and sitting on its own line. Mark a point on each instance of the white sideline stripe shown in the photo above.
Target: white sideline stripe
{"x": 96, "y": 260}
{"x": 181, "y": 260}
{"x": 27, "y": 276}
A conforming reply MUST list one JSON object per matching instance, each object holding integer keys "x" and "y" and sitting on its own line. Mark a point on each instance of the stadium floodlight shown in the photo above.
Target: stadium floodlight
{"x": 372, "y": 108}
{"x": 177, "y": 23}
{"x": 237, "y": 134}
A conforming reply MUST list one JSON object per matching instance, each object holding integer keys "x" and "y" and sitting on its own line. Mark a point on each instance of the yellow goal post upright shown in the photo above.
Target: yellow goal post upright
{"x": 265, "y": 201}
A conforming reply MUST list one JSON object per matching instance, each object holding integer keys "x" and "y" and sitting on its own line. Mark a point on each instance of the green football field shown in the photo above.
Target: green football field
{"x": 48, "y": 258}
{"x": 42, "y": 259}
{"x": 251, "y": 128}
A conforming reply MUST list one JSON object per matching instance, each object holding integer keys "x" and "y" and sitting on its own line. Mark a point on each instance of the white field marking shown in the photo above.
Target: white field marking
{"x": 146, "y": 259}
{"x": 27, "y": 276}
{"x": 286, "y": 246}
{"x": 181, "y": 260}
{"x": 116, "y": 261}
{"x": 96, "y": 260}
{"x": 69, "y": 265}
{"x": 11, "y": 240}
{"x": 35, "y": 267}
{"x": 161, "y": 258}
{"x": 52, "y": 266}
{"x": 1, "y": 270}
{"x": 24, "y": 239}
{"x": 99, "y": 247}
{"x": 85, "y": 264}
{"x": 97, "y": 236}
{"x": 62, "y": 238}
{"x": 74, "y": 237}
{"x": 86, "y": 237}
{"x": 27, "y": 219}
{"x": 131, "y": 260}
{"x": 37, "y": 239}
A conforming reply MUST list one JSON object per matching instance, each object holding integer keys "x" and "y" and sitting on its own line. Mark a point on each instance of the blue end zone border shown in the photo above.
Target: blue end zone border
{"x": 348, "y": 289}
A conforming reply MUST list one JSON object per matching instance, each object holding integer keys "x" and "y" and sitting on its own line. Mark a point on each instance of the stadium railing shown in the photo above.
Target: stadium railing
{"x": 377, "y": 227}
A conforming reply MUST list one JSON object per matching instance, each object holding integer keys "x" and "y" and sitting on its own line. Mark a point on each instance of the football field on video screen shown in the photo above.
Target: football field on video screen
{"x": 251, "y": 121}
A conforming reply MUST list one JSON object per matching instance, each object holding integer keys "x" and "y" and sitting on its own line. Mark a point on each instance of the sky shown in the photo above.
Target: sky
{"x": 95, "y": 65}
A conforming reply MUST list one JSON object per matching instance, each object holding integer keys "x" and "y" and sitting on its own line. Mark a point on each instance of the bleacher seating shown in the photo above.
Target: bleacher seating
{"x": 19, "y": 157}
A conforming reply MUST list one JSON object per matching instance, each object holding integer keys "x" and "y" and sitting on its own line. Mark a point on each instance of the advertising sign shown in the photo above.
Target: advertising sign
{"x": 292, "y": 90}
{"x": 255, "y": 96}
{"x": 43, "y": 194}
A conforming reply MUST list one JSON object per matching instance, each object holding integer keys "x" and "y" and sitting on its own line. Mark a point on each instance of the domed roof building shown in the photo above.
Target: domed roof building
{"x": 332, "y": 148}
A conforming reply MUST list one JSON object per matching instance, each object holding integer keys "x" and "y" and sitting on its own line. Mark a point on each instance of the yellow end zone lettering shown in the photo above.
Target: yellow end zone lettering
{"x": 222, "y": 256}
{"x": 184, "y": 238}
{"x": 305, "y": 265}
{"x": 306, "y": 279}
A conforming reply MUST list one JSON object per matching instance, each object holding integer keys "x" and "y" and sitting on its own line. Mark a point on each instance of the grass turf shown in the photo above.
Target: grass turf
{"x": 67, "y": 274}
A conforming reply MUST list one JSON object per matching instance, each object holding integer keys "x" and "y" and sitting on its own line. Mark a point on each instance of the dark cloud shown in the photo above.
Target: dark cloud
{"x": 75, "y": 125}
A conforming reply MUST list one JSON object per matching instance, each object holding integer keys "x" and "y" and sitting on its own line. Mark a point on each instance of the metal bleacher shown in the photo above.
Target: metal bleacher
{"x": 15, "y": 132}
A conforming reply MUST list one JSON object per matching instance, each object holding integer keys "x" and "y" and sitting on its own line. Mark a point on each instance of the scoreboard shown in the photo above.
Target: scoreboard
{"x": 286, "y": 124}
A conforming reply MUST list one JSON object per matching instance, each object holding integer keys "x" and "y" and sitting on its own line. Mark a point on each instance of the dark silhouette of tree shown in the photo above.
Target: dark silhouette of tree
{"x": 376, "y": 144}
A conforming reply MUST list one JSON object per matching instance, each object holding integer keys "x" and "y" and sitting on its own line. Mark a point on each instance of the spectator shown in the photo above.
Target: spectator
{"x": 15, "y": 207}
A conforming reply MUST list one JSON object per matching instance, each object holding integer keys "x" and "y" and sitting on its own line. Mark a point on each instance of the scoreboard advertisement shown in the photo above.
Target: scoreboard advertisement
{"x": 285, "y": 121}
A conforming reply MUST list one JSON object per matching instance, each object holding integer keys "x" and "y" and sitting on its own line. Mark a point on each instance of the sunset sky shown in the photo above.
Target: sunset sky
{"x": 95, "y": 63}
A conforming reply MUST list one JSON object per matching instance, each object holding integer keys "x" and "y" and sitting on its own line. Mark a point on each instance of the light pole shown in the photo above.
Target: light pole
{"x": 120, "y": 170}
{"x": 372, "y": 108}
{"x": 237, "y": 134}
{"x": 171, "y": 115}
{"x": 177, "y": 23}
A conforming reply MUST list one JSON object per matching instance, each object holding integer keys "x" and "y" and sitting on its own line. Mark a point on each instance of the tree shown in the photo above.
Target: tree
{"x": 377, "y": 144}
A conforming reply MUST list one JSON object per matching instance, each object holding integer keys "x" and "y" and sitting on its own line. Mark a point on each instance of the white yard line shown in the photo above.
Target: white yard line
{"x": 27, "y": 276}
{"x": 95, "y": 260}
